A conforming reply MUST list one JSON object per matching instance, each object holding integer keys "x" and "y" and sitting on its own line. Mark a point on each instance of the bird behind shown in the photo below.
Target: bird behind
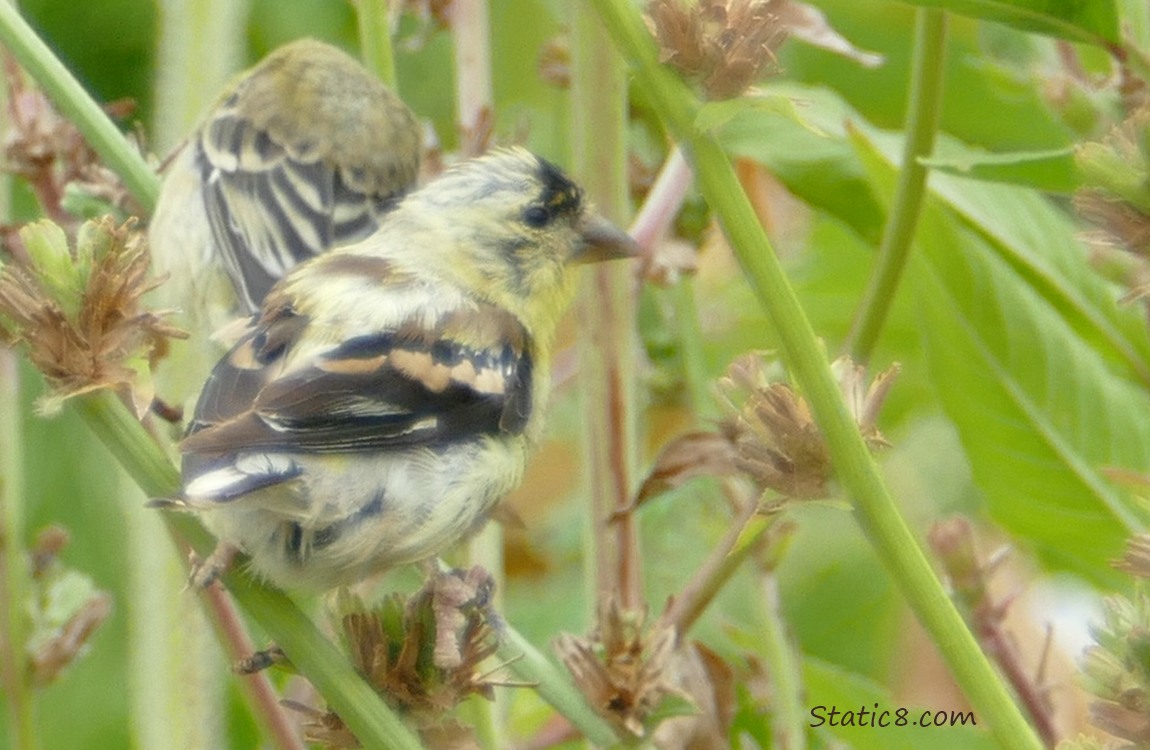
{"x": 304, "y": 152}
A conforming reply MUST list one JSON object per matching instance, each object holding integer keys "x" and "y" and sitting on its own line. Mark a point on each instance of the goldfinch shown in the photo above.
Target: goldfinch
{"x": 305, "y": 151}
{"x": 386, "y": 396}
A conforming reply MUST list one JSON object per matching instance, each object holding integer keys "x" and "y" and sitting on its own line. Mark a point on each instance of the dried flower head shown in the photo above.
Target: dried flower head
{"x": 423, "y": 655}
{"x": 1117, "y": 669}
{"x": 81, "y": 315}
{"x": 622, "y": 667}
{"x": 1115, "y": 198}
{"x": 723, "y": 44}
{"x": 776, "y": 439}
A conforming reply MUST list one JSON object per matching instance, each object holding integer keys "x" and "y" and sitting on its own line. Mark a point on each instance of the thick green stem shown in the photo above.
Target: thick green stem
{"x": 375, "y": 40}
{"x": 373, "y": 723}
{"x": 892, "y": 539}
{"x": 14, "y": 574}
{"x": 928, "y": 64}
{"x": 606, "y": 314}
{"x": 75, "y": 104}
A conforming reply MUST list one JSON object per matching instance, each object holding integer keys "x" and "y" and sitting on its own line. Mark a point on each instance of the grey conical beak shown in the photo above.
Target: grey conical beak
{"x": 602, "y": 240}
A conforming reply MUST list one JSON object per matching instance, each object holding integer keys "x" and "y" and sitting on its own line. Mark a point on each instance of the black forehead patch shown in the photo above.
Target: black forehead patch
{"x": 560, "y": 195}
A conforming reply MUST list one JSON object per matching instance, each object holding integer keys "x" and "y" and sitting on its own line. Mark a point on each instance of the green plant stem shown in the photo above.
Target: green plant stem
{"x": 691, "y": 352}
{"x": 14, "y": 568}
{"x": 75, "y": 104}
{"x": 893, "y": 541}
{"x": 375, "y": 40}
{"x": 553, "y": 685}
{"x": 606, "y": 314}
{"x": 373, "y": 723}
{"x": 927, "y": 66}
{"x": 14, "y": 573}
{"x": 788, "y": 718}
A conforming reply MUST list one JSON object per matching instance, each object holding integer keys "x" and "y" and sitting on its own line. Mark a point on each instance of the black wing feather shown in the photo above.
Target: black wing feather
{"x": 393, "y": 389}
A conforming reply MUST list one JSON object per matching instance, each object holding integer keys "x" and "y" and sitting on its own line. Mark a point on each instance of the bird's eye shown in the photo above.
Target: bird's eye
{"x": 536, "y": 216}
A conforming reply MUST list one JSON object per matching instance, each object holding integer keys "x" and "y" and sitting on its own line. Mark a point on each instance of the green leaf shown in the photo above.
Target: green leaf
{"x": 1027, "y": 350}
{"x": 1040, "y": 243}
{"x": 1038, "y": 412}
{"x": 1052, "y": 170}
{"x": 1091, "y": 21}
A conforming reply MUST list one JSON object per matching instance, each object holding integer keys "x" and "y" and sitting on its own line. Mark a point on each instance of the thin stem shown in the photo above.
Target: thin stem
{"x": 788, "y": 724}
{"x": 606, "y": 313}
{"x": 893, "y": 541}
{"x": 257, "y": 687}
{"x": 928, "y": 64}
{"x": 553, "y": 685}
{"x": 375, "y": 40}
{"x": 956, "y": 547}
{"x": 691, "y": 351}
{"x": 738, "y": 542}
{"x": 663, "y": 201}
{"x": 14, "y": 573}
{"x": 14, "y": 568}
{"x": 75, "y": 104}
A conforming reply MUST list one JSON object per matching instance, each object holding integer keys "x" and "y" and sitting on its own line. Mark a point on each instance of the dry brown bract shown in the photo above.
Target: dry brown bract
{"x": 621, "y": 667}
{"x": 81, "y": 316}
{"x": 423, "y": 656}
{"x": 649, "y": 684}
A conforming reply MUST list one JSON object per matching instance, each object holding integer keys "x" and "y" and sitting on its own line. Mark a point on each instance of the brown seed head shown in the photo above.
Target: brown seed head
{"x": 777, "y": 442}
{"x": 81, "y": 314}
{"x": 725, "y": 45}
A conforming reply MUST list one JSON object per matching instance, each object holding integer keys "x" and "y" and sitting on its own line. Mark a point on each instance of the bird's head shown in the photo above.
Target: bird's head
{"x": 515, "y": 225}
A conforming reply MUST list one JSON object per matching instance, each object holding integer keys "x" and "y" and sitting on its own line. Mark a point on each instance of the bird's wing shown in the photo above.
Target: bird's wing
{"x": 271, "y": 206}
{"x": 469, "y": 372}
